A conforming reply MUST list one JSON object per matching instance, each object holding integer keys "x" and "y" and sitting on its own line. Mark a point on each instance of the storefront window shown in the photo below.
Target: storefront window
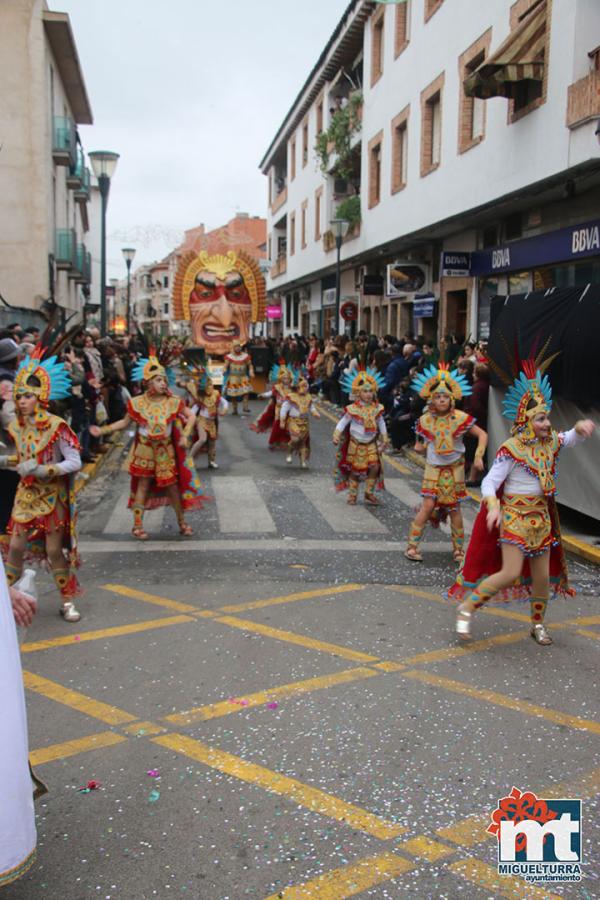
{"x": 577, "y": 274}
{"x": 519, "y": 282}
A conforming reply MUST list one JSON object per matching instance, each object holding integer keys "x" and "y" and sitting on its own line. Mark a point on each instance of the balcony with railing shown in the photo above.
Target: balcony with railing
{"x": 583, "y": 100}
{"x": 64, "y": 141}
{"x": 279, "y": 200}
{"x": 279, "y": 266}
{"x": 65, "y": 250}
{"x": 82, "y": 192}
{"x": 82, "y": 268}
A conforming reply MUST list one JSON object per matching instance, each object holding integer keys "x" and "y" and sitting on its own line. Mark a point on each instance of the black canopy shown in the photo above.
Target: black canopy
{"x": 570, "y": 317}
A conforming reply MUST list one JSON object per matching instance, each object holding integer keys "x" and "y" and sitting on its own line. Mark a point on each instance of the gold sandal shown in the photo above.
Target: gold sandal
{"x": 463, "y": 624}
{"x": 539, "y": 633}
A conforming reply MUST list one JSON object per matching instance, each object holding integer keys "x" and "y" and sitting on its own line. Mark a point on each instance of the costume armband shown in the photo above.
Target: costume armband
{"x": 491, "y": 502}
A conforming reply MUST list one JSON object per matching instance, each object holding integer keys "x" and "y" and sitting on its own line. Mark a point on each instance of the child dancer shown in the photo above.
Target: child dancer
{"x": 515, "y": 550}
{"x": 359, "y": 455}
{"x": 440, "y": 431}
{"x": 295, "y": 413}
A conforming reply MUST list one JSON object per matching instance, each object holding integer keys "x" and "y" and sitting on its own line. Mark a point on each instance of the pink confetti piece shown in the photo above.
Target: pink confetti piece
{"x": 153, "y": 773}
{"x": 77, "y": 637}
{"x": 272, "y": 705}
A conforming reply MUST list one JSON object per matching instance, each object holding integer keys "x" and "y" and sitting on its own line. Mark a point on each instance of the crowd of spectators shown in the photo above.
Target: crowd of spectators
{"x": 100, "y": 370}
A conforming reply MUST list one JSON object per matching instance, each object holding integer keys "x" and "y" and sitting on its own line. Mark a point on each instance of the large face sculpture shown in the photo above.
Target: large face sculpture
{"x": 220, "y": 310}
{"x": 219, "y": 295}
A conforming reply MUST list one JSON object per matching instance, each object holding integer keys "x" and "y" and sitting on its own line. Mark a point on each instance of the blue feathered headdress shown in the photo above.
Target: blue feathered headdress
{"x": 277, "y": 371}
{"x": 440, "y": 378}
{"x": 368, "y": 378}
{"x": 54, "y": 379}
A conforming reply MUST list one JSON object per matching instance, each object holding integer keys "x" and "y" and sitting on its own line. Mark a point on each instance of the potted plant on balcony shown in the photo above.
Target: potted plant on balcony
{"x": 337, "y": 139}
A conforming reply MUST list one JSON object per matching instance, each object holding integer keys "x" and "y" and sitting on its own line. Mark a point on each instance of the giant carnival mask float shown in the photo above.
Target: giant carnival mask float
{"x": 220, "y": 295}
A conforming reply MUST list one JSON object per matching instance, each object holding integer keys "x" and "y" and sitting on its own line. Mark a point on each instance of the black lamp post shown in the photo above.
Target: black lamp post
{"x": 104, "y": 163}
{"x": 341, "y": 229}
{"x": 128, "y": 254}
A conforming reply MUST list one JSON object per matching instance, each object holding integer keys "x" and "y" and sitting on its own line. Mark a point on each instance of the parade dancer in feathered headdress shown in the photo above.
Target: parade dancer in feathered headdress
{"x": 440, "y": 433}
{"x": 515, "y": 549}
{"x": 208, "y": 405}
{"x": 162, "y": 471}
{"x": 295, "y": 412}
{"x": 282, "y": 379}
{"x": 43, "y": 514}
{"x": 359, "y": 454}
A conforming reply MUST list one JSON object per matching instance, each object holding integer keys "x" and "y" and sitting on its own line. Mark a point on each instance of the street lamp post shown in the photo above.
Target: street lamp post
{"x": 128, "y": 254}
{"x": 341, "y": 229}
{"x": 104, "y": 163}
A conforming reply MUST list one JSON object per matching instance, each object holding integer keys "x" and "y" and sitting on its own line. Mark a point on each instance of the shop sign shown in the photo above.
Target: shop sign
{"x": 406, "y": 278}
{"x": 455, "y": 263}
{"x": 565, "y": 245}
{"x": 273, "y": 313}
{"x": 349, "y": 311}
{"x": 424, "y": 306}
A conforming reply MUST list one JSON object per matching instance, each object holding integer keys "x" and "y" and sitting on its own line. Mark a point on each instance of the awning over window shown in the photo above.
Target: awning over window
{"x": 519, "y": 58}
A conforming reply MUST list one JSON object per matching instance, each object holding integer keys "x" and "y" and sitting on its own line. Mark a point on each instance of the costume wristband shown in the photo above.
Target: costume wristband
{"x": 492, "y": 502}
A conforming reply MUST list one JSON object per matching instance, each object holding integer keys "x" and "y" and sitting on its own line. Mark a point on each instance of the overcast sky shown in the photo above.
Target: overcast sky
{"x": 190, "y": 93}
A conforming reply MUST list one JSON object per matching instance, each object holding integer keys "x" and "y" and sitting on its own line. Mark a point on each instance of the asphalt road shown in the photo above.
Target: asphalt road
{"x": 277, "y": 706}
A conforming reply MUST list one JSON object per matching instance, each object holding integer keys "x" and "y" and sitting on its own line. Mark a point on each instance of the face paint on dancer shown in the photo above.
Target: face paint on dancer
{"x": 303, "y": 386}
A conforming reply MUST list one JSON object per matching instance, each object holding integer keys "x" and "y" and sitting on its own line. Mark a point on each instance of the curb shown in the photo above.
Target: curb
{"x": 90, "y": 470}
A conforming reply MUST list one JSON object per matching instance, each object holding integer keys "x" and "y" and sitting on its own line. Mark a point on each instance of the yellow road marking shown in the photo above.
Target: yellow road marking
{"x": 119, "y": 630}
{"x": 487, "y": 877}
{"x": 310, "y": 798}
{"x": 467, "y": 832}
{"x": 290, "y": 598}
{"x": 144, "y": 729}
{"x": 94, "y": 708}
{"x": 522, "y": 706}
{"x": 425, "y": 848}
{"x": 389, "y": 666}
{"x": 437, "y": 598}
{"x": 584, "y": 620}
{"x": 586, "y": 633}
{"x": 301, "y": 640}
{"x": 149, "y": 598}
{"x": 444, "y": 653}
{"x": 72, "y": 748}
{"x": 225, "y": 707}
{"x": 348, "y": 880}
{"x": 390, "y": 461}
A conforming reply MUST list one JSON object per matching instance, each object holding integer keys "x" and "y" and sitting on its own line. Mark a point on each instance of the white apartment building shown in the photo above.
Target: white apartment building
{"x": 151, "y": 298}
{"x": 462, "y": 194}
{"x": 44, "y": 179}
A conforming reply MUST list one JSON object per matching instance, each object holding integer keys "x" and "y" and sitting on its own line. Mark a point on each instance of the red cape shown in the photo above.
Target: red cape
{"x": 484, "y": 557}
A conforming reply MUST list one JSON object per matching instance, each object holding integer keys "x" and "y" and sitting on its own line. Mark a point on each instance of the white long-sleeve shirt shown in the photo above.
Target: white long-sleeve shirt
{"x": 357, "y": 429}
{"x": 290, "y": 409}
{"x": 516, "y": 479}
{"x": 202, "y": 410}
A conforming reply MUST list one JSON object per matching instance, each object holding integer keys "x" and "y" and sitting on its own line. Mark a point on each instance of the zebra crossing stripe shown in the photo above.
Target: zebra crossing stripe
{"x": 240, "y": 507}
